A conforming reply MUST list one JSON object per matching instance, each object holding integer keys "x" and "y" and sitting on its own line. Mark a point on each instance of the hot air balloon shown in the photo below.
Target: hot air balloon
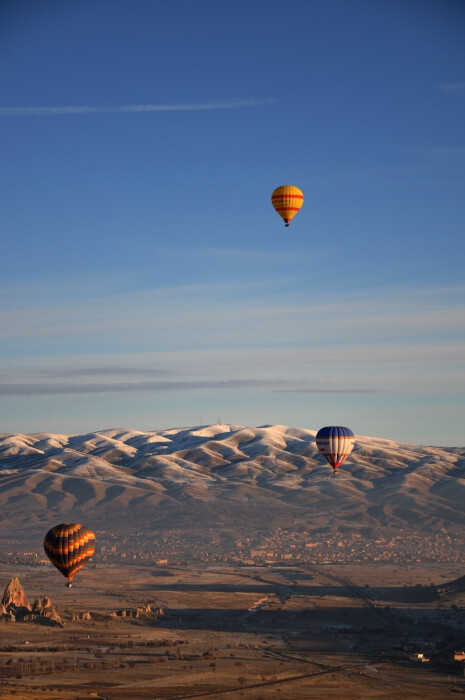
{"x": 287, "y": 200}
{"x": 69, "y": 546}
{"x": 335, "y": 443}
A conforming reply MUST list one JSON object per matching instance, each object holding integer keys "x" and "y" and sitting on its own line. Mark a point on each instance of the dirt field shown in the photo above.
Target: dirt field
{"x": 289, "y": 633}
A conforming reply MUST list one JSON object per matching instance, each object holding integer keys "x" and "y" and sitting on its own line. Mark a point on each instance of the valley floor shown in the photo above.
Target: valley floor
{"x": 349, "y": 632}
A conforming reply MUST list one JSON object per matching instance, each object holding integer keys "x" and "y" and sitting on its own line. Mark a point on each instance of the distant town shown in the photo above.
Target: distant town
{"x": 171, "y": 547}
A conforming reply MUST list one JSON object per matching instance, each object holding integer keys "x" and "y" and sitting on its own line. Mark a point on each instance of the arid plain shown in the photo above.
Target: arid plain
{"x": 238, "y": 632}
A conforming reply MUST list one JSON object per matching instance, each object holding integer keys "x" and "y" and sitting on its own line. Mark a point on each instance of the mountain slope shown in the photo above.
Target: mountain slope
{"x": 219, "y": 475}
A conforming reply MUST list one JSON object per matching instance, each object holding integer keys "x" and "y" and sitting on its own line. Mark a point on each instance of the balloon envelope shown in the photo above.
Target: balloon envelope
{"x": 69, "y": 546}
{"x": 335, "y": 443}
{"x": 287, "y": 200}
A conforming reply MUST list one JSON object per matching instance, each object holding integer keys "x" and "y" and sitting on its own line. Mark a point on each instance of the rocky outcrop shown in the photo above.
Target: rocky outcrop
{"x": 15, "y": 596}
{"x": 43, "y": 608}
{"x": 145, "y": 611}
{"x": 85, "y": 616}
{"x": 15, "y": 607}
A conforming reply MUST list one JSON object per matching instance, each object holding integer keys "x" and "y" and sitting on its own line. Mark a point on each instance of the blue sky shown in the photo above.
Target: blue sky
{"x": 146, "y": 280}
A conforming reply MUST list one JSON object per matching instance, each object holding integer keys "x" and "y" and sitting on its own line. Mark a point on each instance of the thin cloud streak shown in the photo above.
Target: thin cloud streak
{"x": 362, "y": 365}
{"x": 158, "y": 318}
{"x": 443, "y": 153}
{"x": 386, "y": 327}
{"x": 54, "y": 389}
{"x": 125, "y": 109}
{"x": 452, "y": 87}
{"x": 331, "y": 391}
{"x": 105, "y": 372}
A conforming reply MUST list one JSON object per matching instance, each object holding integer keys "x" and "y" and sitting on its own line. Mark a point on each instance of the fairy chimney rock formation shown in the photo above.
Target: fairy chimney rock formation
{"x": 15, "y": 607}
{"x": 43, "y": 608}
{"x": 15, "y": 596}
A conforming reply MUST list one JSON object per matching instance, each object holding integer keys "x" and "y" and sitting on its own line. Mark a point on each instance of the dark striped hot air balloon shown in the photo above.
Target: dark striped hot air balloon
{"x": 69, "y": 546}
{"x": 287, "y": 200}
{"x": 335, "y": 443}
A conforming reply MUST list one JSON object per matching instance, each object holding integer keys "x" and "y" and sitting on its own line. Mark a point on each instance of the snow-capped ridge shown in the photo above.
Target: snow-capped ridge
{"x": 381, "y": 481}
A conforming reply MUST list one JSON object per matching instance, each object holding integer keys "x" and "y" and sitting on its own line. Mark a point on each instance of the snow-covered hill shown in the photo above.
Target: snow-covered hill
{"x": 219, "y": 472}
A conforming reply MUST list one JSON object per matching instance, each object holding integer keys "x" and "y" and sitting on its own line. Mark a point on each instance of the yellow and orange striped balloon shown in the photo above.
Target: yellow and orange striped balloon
{"x": 69, "y": 546}
{"x": 287, "y": 200}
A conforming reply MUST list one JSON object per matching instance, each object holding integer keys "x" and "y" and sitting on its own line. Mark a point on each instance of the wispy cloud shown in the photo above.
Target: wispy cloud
{"x": 222, "y": 316}
{"x": 331, "y": 391}
{"x": 282, "y": 385}
{"x": 452, "y": 87}
{"x": 215, "y": 337}
{"x": 232, "y": 103}
{"x": 104, "y": 372}
{"x": 443, "y": 152}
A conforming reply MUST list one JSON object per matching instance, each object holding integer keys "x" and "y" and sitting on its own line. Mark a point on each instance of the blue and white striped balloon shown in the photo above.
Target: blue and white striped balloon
{"x": 335, "y": 443}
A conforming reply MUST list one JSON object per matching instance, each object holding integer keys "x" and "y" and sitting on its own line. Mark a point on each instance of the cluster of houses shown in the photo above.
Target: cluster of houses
{"x": 287, "y": 546}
